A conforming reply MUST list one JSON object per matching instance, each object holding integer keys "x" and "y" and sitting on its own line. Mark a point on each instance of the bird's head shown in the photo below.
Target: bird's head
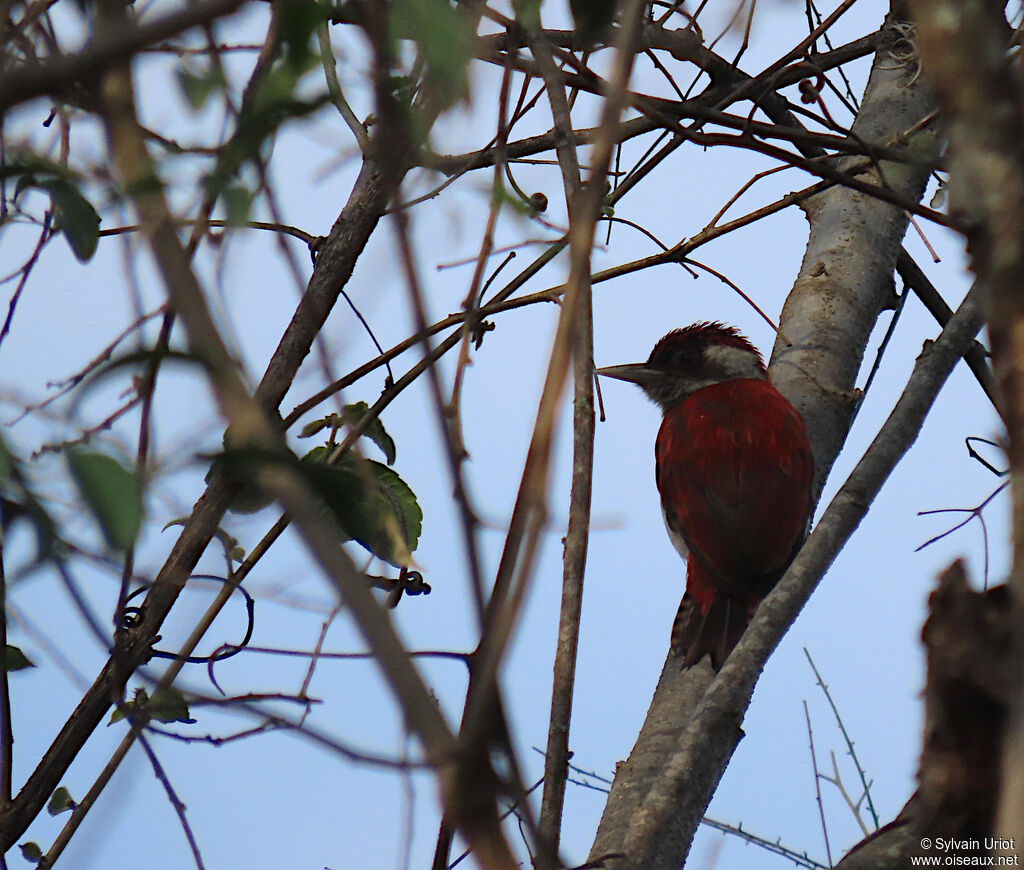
{"x": 689, "y": 359}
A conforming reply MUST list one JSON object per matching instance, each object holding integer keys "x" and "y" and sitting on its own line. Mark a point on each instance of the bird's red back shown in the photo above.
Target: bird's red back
{"x": 734, "y": 469}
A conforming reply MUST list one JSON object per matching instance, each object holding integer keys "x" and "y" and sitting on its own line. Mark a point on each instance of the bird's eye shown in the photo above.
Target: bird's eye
{"x": 676, "y": 356}
{"x": 685, "y": 357}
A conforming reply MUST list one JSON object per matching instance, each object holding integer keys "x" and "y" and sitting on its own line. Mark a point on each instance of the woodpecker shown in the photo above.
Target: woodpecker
{"x": 734, "y": 468}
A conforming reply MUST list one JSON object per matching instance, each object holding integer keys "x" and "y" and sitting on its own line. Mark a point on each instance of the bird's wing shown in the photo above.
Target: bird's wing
{"x": 734, "y": 470}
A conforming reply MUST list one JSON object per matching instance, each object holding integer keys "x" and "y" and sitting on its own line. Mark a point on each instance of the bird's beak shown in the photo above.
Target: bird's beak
{"x": 636, "y": 373}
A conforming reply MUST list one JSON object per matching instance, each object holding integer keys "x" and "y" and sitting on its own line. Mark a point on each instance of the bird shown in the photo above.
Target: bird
{"x": 734, "y": 468}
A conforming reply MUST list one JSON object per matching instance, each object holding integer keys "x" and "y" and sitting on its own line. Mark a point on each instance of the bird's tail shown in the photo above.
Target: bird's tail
{"x": 711, "y": 627}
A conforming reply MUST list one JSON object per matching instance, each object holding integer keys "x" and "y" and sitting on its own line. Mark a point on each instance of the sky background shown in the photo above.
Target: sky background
{"x": 276, "y": 800}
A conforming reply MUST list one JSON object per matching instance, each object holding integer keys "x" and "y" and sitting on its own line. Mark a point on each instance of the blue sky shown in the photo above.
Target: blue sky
{"x": 276, "y": 800}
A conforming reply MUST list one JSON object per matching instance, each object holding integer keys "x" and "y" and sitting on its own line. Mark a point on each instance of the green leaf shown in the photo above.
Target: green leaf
{"x": 237, "y": 203}
{"x": 112, "y": 493}
{"x": 132, "y": 706}
{"x": 351, "y": 416}
{"x": 242, "y": 467}
{"x": 60, "y": 802}
{"x": 17, "y": 500}
{"x": 315, "y": 426}
{"x": 527, "y": 14}
{"x": 197, "y": 85}
{"x": 273, "y": 101}
{"x": 16, "y": 660}
{"x": 73, "y": 214}
{"x": 31, "y": 852}
{"x": 8, "y": 465}
{"x": 371, "y": 503}
{"x": 75, "y": 217}
{"x": 242, "y": 464}
{"x": 592, "y": 18}
{"x": 169, "y": 705}
{"x": 445, "y": 45}
{"x": 296, "y": 21}
{"x": 166, "y": 705}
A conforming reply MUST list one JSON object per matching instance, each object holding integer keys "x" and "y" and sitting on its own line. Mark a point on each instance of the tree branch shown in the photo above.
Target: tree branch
{"x": 686, "y": 742}
{"x": 108, "y": 48}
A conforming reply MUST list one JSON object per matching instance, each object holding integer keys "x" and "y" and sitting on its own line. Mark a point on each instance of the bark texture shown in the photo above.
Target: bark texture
{"x": 846, "y": 278}
{"x": 970, "y": 674}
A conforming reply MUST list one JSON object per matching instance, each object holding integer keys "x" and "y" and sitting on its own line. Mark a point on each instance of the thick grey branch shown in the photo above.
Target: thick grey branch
{"x": 844, "y": 283}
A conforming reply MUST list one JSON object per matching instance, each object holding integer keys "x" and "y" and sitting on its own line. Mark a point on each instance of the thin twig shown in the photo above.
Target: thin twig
{"x": 172, "y": 796}
{"x": 774, "y": 846}
{"x": 846, "y": 737}
{"x": 26, "y": 270}
{"x": 502, "y": 817}
{"x": 854, "y": 806}
{"x": 735, "y": 287}
{"x": 6, "y": 728}
{"x": 453, "y": 451}
{"x": 529, "y": 513}
{"x": 914, "y": 277}
{"x": 574, "y": 553}
{"x": 356, "y": 656}
{"x": 67, "y": 384}
{"x": 323, "y": 35}
{"x": 817, "y": 784}
{"x": 314, "y": 659}
{"x": 267, "y": 226}
{"x": 109, "y": 47}
{"x": 471, "y": 304}
{"x": 973, "y": 513}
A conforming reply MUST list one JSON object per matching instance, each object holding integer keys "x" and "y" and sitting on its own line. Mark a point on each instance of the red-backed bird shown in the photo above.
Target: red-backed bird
{"x": 734, "y": 468}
